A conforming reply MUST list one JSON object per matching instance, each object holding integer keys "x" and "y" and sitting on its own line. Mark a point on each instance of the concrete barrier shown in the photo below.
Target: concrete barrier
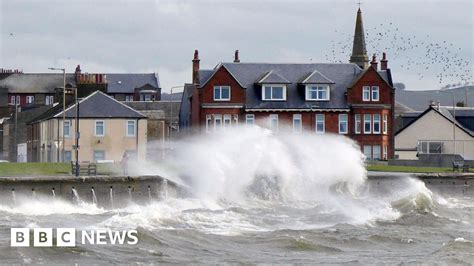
{"x": 105, "y": 191}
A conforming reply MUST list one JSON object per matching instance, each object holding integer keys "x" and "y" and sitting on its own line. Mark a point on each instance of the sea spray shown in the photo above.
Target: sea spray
{"x": 230, "y": 165}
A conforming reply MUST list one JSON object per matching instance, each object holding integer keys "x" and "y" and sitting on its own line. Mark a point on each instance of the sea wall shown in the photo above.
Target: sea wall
{"x": 106, "y": 191}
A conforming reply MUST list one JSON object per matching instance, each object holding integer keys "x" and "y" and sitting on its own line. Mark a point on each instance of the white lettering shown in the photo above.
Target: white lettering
{"x": 101, "y": 237}
{"x": 133, "y": 235}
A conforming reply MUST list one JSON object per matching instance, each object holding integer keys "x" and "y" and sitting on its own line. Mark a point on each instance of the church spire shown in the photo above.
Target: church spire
{"x": 359, "y": 52}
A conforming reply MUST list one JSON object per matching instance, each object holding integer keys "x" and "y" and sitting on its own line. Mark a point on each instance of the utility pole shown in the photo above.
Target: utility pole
{"x": 77, "y": 133}
{"x": 64, "y": 110}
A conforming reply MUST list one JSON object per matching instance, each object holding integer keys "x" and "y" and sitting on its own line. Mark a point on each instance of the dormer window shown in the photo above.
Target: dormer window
{"x": 221, "y": 93}
{"x": 317, "y": 92}
{"x": 274, "y": 92}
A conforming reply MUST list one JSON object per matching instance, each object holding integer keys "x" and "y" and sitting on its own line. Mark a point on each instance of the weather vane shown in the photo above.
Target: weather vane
{"x": 359, "y": 3}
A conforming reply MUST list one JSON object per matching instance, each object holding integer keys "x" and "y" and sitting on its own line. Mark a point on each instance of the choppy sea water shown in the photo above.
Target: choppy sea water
{"x": 397, "y": 221}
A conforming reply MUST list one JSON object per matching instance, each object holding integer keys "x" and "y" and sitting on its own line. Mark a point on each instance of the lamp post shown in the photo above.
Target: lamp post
{"x": 64, "y": 109}
{"x": 77, "y": 135}
{"x": 454, "y": 118}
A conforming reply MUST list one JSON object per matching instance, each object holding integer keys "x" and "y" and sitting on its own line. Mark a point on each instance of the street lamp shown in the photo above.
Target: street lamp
{"x": 77, "y": 135}
{"x": 454, "y": 118}
{"x": 64, "y": 109}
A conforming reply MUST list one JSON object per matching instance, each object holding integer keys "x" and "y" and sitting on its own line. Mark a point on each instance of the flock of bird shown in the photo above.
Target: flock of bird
{"x": 412, "y": 52}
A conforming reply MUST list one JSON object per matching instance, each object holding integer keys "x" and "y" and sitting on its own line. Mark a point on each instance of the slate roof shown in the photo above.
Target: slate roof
{"x": 273, "y": 78}
{"x": 464, "y": 121}
{"x": 35, "y": 83}
{"x": 100, "y": 105}
{"x": 127, "y": 82}
{"x": 464, "y": 117}
{"x": 248, "y": 74}
{"x": 316, "y": 77}
{"x": 185, "y": 107}
{"x": 418, "y": 100}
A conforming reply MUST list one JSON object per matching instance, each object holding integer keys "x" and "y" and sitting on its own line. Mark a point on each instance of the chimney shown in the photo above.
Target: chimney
{"x": 383, "y": 62}
{"x": 373, "y": 63}
{"x": 196, "y": 68}
{"x": 236, "y": 57}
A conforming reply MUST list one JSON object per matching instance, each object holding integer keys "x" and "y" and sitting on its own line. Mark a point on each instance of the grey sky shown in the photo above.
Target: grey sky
{"x": 148, "y": 36}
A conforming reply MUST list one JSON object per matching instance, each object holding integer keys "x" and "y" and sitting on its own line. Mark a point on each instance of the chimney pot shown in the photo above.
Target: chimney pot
{"x": 196, "y": 68}
{"x": 373, "y": 63}
{"x": 236, "y": 57}
{"x": 384, "y": 62}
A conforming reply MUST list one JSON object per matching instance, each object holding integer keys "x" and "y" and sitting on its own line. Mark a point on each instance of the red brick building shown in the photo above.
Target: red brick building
{"x": 354, "y": 99}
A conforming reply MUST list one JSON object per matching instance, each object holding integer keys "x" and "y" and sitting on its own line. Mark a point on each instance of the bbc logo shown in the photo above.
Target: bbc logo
{"x": 43, "y": 237}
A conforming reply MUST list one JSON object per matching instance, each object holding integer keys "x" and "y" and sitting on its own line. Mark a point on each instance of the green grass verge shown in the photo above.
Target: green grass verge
{"x": 29, "y": 169}
{"x": 408, "y": 169}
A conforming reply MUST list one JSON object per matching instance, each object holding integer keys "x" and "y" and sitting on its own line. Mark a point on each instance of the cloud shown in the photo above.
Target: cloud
{"x": 161, "y": 35}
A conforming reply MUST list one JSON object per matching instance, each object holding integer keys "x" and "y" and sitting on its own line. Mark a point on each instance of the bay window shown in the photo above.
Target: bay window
{"x": 320, "y": 127}
{"x": 343, "y": 124}
{"x": 250, "y": 119}
{"x": 357, "y": 124}
{"x": 367, "y": 124}
{"x": 297, "y": 123}
{"x": 274, "y": 122}
{"x": 376, "y": 127}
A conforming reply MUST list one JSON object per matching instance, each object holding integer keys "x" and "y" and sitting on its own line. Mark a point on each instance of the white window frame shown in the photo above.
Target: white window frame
{"x": 69, "y": 155}
{"x": 226, "y": 117}
{"x": 317, "y": 88}
{"x": 297, "y": 128}
{"x": 271, "y": 86}
{"x": 218, "y": 117}
{"x": 220, "y": 88}
{"x": 49, "y": 99}
{"x": 374, "y": 121}
{"x": 68, "y": 124}
{"x": 250, "y": 119}
{"x": 375, "y": 89}
{"x": 208, "y": 123}
{"x": 357, "y": 124}
{"x": 379, "y": 152}
{"x": 13, "y": 100}
{"x": 369, "y": 153}
{"x": 18, "y": 100}
{"x": 129, "y": 98}
{"x": 385, "y": 124}
{"x": 341, "y": 121}
{"x": 134, "y": 128}
{"x": 369, "y": 123}
{"x": 364, "y": 90}
{"x": 95, "y": 128}
{"x": 323, "y": 123}
{"x": 30, "y": 99}
{"x": 273, "y": 117}
{"x": 236, "y": 120}
{"x": 93, "y": 155}
{"x": 385, "y": 152}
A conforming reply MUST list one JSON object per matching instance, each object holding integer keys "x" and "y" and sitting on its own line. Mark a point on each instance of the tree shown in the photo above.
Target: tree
{"x": 460, "y": 104}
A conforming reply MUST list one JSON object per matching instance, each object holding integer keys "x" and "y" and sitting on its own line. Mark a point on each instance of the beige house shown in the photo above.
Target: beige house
{"x": 438, "y": 130}
{"x": 107, "y": 130}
